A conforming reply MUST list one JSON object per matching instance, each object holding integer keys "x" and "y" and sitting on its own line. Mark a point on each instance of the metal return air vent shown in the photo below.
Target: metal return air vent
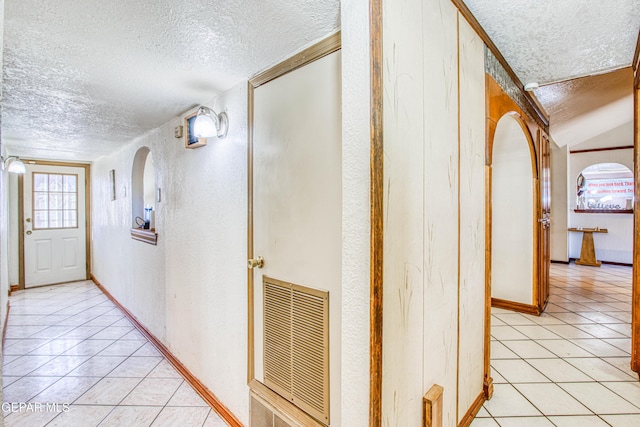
{"x": 296, "y": 345}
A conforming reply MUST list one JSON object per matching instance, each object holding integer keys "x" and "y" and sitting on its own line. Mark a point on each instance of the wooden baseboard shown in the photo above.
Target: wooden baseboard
{"x": 553, "y": 261}
{"x": 200, "y": 388}
{"x": 473, "y": 411}
{"x": 515, "y": 306}
{"x": 622, "y": 264}
{"x": 4, "y": 328}
{"x": 13, "y": 288}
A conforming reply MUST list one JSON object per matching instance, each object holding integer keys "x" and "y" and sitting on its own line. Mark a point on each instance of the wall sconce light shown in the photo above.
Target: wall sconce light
{"x": 13, "y": 164}
{"x": 208, "y": 123}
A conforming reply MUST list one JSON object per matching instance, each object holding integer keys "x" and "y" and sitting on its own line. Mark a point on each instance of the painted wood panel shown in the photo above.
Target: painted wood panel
{"x": 403, "y": 330}
{"x": 427, "y": 164}
{"x": 472, "y": 216}
{"x": 440, "y": 98}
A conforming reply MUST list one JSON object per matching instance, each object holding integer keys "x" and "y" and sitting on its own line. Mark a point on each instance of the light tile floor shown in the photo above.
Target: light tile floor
{"x": 68, "y": 344}
{"x": 570, "y": 366}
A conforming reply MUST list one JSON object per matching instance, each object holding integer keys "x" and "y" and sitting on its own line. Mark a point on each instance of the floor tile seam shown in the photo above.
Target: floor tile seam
{"x": 606, "y": 388}
{"x": 159, "y": 412}
{"x": 602, "y": 383}
{"x": 596, "y": 357}
{"x": 538, "y": 409}
{"x": 120, "y": 401}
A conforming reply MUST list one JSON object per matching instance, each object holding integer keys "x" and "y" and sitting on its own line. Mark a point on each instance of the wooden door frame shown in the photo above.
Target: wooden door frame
{"x": 87, "y": 214}
{"x": 543, "y": 290}
{"x": 635, "y": 306}
{"x": 499, "y": 104}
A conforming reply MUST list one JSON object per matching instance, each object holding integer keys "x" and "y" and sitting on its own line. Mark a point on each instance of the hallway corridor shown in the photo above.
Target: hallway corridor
{"x": 570, "y": 366}
{"x": 69, "y": 344}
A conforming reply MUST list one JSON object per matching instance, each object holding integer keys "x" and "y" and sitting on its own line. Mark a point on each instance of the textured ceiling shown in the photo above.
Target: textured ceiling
{"x": 82, "y": 78}
{"x": 548, "y": 41}
{"x": 583, "y": 109}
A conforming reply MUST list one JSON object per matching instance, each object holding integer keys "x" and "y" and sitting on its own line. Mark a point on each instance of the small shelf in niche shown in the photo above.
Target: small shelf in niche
{"x": 147, "y": 236}
{"x": 606, "y": 211}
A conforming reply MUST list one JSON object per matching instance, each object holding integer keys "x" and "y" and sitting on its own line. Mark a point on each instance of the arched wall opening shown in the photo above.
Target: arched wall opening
{"x": 513, "y": 207}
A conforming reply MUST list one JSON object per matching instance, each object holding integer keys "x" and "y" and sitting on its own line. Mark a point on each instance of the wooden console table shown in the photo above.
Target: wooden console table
{"x": 588, "y": 251}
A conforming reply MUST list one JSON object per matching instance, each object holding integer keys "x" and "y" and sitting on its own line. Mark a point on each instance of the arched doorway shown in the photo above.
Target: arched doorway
{"x": 529, "y": 141}
{"x": 513, "y": 201}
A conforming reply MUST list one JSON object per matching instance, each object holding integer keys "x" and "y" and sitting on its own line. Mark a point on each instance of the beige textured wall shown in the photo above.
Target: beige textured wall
{"x": 190, "y": 289}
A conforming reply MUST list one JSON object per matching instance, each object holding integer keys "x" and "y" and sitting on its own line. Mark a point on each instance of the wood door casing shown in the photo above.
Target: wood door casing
{"x": 635, "y": 305}
{"x": 499, "y": 104}
{"x": 544, "y": 219}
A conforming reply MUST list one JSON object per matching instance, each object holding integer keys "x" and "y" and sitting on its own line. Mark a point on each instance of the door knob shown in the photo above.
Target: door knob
{"x": 29, "y": 232}
{"x": 28, "y": 219}
{"x": 255, "y": 263}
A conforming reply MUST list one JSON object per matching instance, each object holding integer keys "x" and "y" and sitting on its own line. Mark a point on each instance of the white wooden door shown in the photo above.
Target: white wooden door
{"x": 297, "y": 191}
{"x": 54, "y": 224}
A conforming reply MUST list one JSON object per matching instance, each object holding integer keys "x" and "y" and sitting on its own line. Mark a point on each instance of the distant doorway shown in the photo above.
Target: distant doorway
{"x": 53, "y": 218}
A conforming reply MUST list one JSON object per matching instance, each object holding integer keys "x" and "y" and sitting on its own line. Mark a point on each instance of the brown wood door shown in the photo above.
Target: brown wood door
{"x": 545, "y": 219}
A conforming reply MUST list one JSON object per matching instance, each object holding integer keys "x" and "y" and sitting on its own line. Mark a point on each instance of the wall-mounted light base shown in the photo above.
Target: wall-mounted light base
{"x": 224, "y": 125}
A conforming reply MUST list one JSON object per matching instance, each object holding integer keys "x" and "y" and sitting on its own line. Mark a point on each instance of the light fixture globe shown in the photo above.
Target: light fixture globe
{"x": 208, "y": 124}
{"x": 14, "y": 165}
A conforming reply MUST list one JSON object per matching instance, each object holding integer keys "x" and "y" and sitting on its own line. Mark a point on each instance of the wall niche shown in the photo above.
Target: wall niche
{"x": 143, "y": 190}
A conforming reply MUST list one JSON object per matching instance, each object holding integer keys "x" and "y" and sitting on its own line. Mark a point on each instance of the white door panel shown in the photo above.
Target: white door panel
{"x": 54, "y": 224}
{"x": 297, "y": 191}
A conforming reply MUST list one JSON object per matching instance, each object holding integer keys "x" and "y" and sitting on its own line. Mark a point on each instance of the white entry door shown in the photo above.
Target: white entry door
{"x": 54, "y": 224}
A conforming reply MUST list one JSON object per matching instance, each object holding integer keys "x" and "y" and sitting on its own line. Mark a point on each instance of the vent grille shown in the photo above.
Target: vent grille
{"x": 296, "y": 345}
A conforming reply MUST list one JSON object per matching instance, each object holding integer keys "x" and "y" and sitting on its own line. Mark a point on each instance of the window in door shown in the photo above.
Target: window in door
{"x": 55, "y": 201}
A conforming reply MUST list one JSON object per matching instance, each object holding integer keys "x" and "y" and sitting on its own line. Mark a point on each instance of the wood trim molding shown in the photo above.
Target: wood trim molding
{"x": 604, "y": 211}
{"x": 432, "y": 407}
{"x": 146, "y": 236}
{"x": 488, "y": 212}
{"x": 516, "y": 306}
{"x": 636, "y": 63}
{"x": 200, "y": 388}
{"x": 592, "y": 150}
{"x": 6, "y": 321}
{"x": 322, "y": 48}
{"x": 473, "y": 411}
{"x": 377, "y": 215}
{"x": 500, "y": 104}
{"x": 466, "y": 13}
{"x": 13, "y": 288}
{"x": 621, "y": 264}
{"x": 250, "y": 297}
{"x": 21, "y": 272}
{"x": 635, "y": 294}
{"x": 283, "y": 406}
